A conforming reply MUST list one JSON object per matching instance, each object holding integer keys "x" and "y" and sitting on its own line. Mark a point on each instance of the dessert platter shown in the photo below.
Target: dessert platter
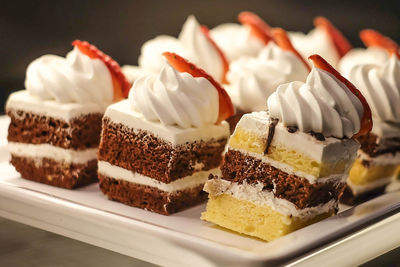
{"x": 244, "y": 145}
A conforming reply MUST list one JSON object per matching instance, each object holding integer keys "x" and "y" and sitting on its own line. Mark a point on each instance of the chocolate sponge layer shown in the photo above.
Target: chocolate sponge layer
{"x": 144, "y": 153}
{"x": 80, "y": 133}
{"x": 56, "y": 173}
{"x": 239, "y": 167}
{"x": 151, "y": 198}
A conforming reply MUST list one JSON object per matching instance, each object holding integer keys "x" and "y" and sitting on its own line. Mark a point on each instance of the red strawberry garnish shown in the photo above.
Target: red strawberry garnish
{"x": 182, "y": 65}
{"x": 225, "y": 63}
{"x": 259, "y": 28}
{"x": 282, "y": 40}
{"x": 120, "y": 83}
{"x": 366, "y": 121}
{"x": 373, "y": 38}
{"x": 340, "y": 42}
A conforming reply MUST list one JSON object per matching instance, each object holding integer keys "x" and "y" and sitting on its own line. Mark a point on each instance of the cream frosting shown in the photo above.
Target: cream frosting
{"x": 175, "y": 98}
{"x": 380, "y": 85}
{"x": 132, "y": 73}
{"x": 40, "y": 151}
{"x": 23, "y": 100}
{"x": 253, "y": 80}
{"x": 122, "y": 113}
{"x": 360, "y": 56}
{"x": 191, "y": 44}
{"x": 323, "y": 104}
{"x": 74, "y": 79}
{"x": 236, "y": 41}
{"x": 184, "y": 183}
{"x": 254, "y": 193}
{"x": 317, "y": 41}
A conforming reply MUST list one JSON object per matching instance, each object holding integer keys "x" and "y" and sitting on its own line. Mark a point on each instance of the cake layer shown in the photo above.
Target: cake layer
{"x": 311, "y": 154}
{"x": 23, "y": 101}
{"x": 143, "y": 152}
{"x": 56, "y": 173}
{"x": 122, "y": 113}
{"x": 195, "y": 180}
{"x": 353, "y": 196}
{"x": 255, "y": 220}
{"x": 238, "y": 167}
{"x": 151, "y": 198}
{"x": 365, "y": 172}
{"x": 256, "y": 194}
{"x": 375, "y": 146}
{"x": 52, "y": 152}
{"x": 77, "y": 133}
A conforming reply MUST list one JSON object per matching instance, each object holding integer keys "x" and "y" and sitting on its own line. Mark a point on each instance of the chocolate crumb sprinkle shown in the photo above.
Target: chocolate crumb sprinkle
{"x": 318, "y": 136}
{"x": 292, "y": 129}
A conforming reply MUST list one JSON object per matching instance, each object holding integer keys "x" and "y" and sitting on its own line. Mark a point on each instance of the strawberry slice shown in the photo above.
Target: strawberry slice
{"x": 366, "y": 121}
{"x": 120, "y": 83}
{"x": 373, "y": 38}
{"x": 340, "y": 42}
{"x": 259, "y": 28}
{"x": 182, "y": 65}
{"x": 282, "y": 40}
{"x": 225, "y": 62}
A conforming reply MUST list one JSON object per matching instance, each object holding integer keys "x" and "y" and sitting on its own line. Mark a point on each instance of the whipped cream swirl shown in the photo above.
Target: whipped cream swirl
{"x": 359, "y": 56}
{"x": 323, "y": 105}
{"x": 175, "y": 98}
{"x": 380, "y": 85}
{"x": 236, "y": 41}
{"x": 74, "y": 79}
{"x": 191, "y": 44}
{"x": 317, "y": 41}
{"x": 253, "y": 80}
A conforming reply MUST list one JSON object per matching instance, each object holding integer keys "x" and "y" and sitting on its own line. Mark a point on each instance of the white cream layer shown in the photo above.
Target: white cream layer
{"x": 122, "y": 112}
{"x": 290, "y": 170}
{"x": 329, "y": 151}
{"x": 24, "y": 101}
{"x": 52, "y": 152}
{"x": 255, "y": 194}
{"x": 359, "y": 189}
{"x": 184, "y": 183}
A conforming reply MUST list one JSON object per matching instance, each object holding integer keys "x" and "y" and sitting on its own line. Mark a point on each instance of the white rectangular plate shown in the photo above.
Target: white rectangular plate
{"x": 183, "y": 239}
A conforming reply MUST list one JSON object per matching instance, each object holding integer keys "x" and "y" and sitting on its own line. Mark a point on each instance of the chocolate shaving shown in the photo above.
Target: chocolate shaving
{"x": 271, "y": 131}
{"x": 292, "y": 129}
{"x": 318, "y": 136}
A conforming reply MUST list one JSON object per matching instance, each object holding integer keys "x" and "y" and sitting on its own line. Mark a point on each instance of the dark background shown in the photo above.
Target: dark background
{"x": 29, "y": 29}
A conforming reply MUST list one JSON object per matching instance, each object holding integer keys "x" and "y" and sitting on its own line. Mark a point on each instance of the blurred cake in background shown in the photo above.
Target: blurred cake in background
{"x": 159, "y": 146}
{"x": 286, "y": 167}
{"x": 376, "y": 72}
{"x": 194, "y": 43}
{"x": 56, "y": 122}
{"x": 239, "y": 40}
{"x": 251, "y": 80}
{"x": 325, "y": 40}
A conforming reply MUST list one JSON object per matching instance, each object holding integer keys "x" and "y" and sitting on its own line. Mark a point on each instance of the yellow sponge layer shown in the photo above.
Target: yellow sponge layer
{"x": 252, "y": 142}
{"x": 258, "y": 221}
{"x": 361, "y": 175}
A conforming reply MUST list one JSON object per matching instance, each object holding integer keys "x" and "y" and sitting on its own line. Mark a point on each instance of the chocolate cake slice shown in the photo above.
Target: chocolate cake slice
{"x": 159, "y": 146}
{"x": 161, "y": 169}
{"x": 52, "y": 143}
{"x": 56, "y": 121}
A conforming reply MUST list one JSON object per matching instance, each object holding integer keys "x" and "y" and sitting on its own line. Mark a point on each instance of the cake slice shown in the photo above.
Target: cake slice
{"x": 285, "y": 168}
{"x": 159, "y": 146}
{"x": 379, "y": 155}
{"x": 56, "y": 122}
